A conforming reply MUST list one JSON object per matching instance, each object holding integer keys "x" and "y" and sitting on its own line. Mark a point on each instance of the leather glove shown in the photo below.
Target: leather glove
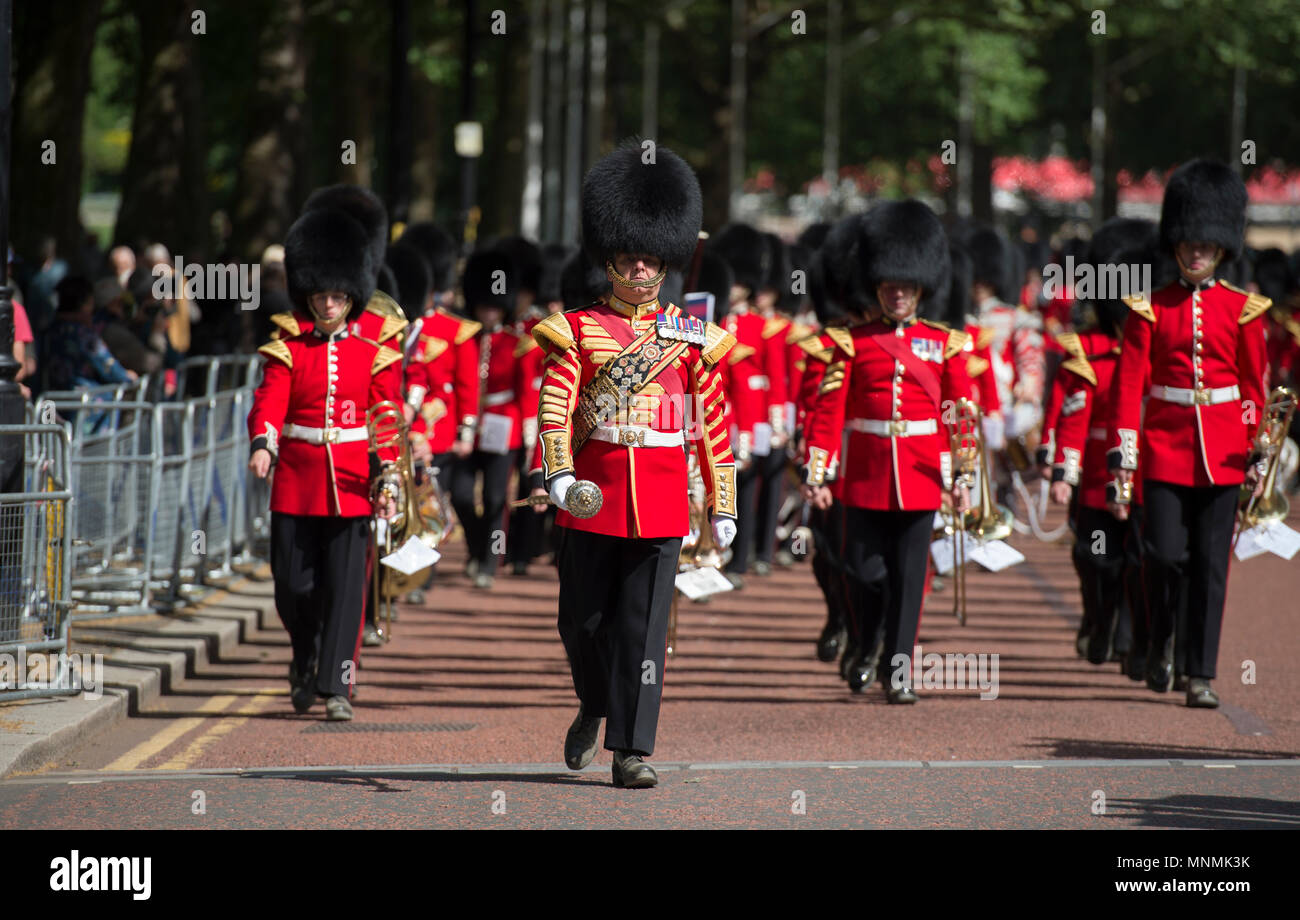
{"x": 724, "y": 531}
{"x": 559, "y": 488}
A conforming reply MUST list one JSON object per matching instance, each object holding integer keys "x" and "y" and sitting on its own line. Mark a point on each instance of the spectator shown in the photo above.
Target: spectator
{"x": 40, "y": 286}
{"x": 75, "y": 356}
{"x": 122, "y": 259}
{"x": 111, "y": 323}
{"x": 182, "y": 312}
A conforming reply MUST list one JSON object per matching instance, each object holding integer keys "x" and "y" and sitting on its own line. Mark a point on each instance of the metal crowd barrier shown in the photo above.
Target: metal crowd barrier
{"x": 35, "y": 545}
{"x": 163, "y": 508}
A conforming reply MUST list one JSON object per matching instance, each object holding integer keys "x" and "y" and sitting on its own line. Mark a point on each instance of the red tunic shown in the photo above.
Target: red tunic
{"x": 645, "y": 488}
{"x": 322, "y": 382}
{"x": 1084, "y": 384}
{"x": 442, "y": 380}
{"x": 1211, "y": 340}
{"x": 507, "y": 370}
{"x": 755, "y": 373}
{"x": 869, "y": 385}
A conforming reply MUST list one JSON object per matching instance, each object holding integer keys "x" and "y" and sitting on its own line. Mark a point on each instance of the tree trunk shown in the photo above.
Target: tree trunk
{"x": 52, "y": 46}
{"x": 267, "y": 190}
{"x": 573, "y": 125}
{"x": 426, "y": 150}
{"x": 399, "y": 113}
{"x": 736, "y": 125}
{"x": 164, "y": 188}
{"x": 530, "y": 206}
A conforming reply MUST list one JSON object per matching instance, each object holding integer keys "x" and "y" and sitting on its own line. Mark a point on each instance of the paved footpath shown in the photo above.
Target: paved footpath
{"x": 460, "y": 723}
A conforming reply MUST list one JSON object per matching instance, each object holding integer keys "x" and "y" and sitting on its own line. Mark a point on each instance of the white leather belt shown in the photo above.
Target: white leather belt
{"x": 759, "y": 382}
{"x": 636, "y": 436}
{"x": 324, "y": 435}
{"x": 1197, "y": 397}
{"x": 1097, "y": 434}
{"x": 894, "y": 428}
{"x": 498, "y": 399}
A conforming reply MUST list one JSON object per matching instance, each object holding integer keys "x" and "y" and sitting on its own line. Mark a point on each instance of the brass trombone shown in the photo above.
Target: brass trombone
{"x": 966, "y": 441}
{"x": 1271, "y": 504}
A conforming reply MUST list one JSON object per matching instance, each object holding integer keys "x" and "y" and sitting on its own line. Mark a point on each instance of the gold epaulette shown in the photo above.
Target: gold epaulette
{"x": 384, "y": 306}
{"x": 1078, "y": 357}
{"x": 1141, "y": 306}
{"x": 433, "y": 349}
{"x": 975, "y": 365}
{"x": 717, "y": 342}
{"x": 773, "y": 326}
{"x": 555, "y": 330}
{"x": 384, "y": 357}
{"x": 524, "y": 345}
{"x": 986, "y": 336}
{"x": 842, "y": 338}
{"x": 1256, "y": 305}
{"x": 288, "y": 322}
{"x": 739, "y": 352}
{"x": 277, "y": 349}
{"x": 798, "y": 331}
{"x": 956, "y": 343}
{"x": 812, "y": 344}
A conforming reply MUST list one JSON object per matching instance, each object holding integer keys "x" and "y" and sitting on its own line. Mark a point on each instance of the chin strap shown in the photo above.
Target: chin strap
{"x": 612, "y": 274}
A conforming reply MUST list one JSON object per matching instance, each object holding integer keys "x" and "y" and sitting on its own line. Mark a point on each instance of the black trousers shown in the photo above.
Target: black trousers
{"x": 481, "y": 537}
{"x": 1188, "y": 537}
{"x": 827, "y": 563}
{"x": 885, "y": 556}
{"x": 770, "y": 493}
{"x": 747, "y": 482}
{"x": 319, "y": 566}
{"x": 1100, "y": 554}
{"x": 526, "y": 525}
{"x": 615, "y": 595}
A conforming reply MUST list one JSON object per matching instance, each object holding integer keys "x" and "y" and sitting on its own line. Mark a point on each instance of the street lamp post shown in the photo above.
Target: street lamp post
{"x": 11, "y": 397}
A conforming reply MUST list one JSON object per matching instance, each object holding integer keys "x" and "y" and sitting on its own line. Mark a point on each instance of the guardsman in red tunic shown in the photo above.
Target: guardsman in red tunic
{"x": 1107, "y": 551}
{"x": 1200, "y": 343}
{"x": 826, "y": 524}
{"x": 528, "y": 524}
{"x": 321, "y": 376}
{"x": 755, "y": 379}
{"x": 885, "y": 398}
{"x": 507, "y": 370}
{"x": 628, "y": 381}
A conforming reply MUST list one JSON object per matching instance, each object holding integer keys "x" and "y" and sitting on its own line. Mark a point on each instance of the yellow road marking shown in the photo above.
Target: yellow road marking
{"x": 205, "y": 739}
{"x": 148, "y": 748}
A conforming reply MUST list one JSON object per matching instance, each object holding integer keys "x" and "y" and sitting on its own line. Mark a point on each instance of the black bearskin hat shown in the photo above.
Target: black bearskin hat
{"x": 1273, "y": 275}
{"x": 747, "y": 252}
{"x": 554, "y": 257}
{"x": 814, "y": 235}
{"x": 841, "y": 273}
{"x": 632, "y": 206}
{"x": 527, "y": 259}
{"x": 954, "y": 310}
{"x": 904, "y": 241}
{"x": 327, "y": 250}
{"x": 716, "y": 278}
{"x": 438, "y": 249}
{"x": 414, "y": 279}
{"x": 1111, "y": 313}
{"x": 777, "y": 276}
{"x": 363, "y": 206}
{"x": 1116, "y": 234}
{"x": 1205, "y": 202}
{"x": 387, "y": 282}
{"x": 581, "y": 281}
{"x": 489, "y": 281}
{"x": 800, "y": 257}
{"x": 991, "y": 263}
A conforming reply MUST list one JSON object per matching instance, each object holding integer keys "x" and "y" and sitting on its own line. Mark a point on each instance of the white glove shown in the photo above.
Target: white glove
{"x": 724, "y": 531}
{"x": 994, "y": 432}
{"x": 560, "y": 488}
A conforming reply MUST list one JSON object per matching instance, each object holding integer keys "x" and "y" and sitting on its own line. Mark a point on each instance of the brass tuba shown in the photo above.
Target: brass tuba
{"x": 386, "y": 427}
{"x": 1271, "y": 505}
